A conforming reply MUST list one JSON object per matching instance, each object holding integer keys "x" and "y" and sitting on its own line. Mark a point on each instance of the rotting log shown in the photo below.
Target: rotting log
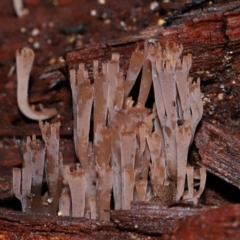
{"x": 222, "y": 158}
{"x": 143, "y": 220}
{"x": 152, "y": 218}
{"x": 19, "y": 225}
{"x": 221, "y": 224}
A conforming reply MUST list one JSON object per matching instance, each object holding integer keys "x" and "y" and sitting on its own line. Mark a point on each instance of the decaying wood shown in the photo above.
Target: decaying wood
{"x": 222, "y": 158}
{"x": 221, "y": 224}
{"x": 145, "y": 218}
{"x": 18, "y": 225}
{"x": 152, "y": 218}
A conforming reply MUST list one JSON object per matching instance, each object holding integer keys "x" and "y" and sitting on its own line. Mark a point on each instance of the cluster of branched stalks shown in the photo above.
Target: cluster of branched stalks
{"x": 42, "y": 165}
{"x": 132, "y": 142}
{"x": 141, "y": 153}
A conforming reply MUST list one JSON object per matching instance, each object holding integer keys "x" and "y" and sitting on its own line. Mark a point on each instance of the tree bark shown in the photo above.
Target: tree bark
{"x": 222, "y": 158}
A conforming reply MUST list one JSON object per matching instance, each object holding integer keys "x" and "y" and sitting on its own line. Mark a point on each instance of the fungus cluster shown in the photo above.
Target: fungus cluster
{"x": 128, "y": 146}
{"x": 42, "y": 165}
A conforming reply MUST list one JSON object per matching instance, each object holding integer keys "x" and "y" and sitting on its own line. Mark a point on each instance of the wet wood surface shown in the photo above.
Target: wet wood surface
{"x": 19, "y": 225}
{"x": 221, "y": 224}
{"x": 222, "y": 158}
{"x": 152, "y": 218}
{"x": 145, "y": 219}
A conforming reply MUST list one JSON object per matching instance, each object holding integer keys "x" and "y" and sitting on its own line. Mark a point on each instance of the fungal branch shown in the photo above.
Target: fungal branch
{"x": 53, "y": 163}
{"x": 41, "y": 163}
{"x": 24, "y": 61}
{"x": 19, "y": 9}
{"x": 179, "y": 107}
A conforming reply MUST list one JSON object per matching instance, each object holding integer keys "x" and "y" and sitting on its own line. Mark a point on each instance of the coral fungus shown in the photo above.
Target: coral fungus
{"x": 139, "y": 137}
{"x": 135, "y": 149}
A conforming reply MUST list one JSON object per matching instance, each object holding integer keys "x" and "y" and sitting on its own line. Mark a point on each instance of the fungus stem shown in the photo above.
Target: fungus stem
{"x": 24, "y": 60}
